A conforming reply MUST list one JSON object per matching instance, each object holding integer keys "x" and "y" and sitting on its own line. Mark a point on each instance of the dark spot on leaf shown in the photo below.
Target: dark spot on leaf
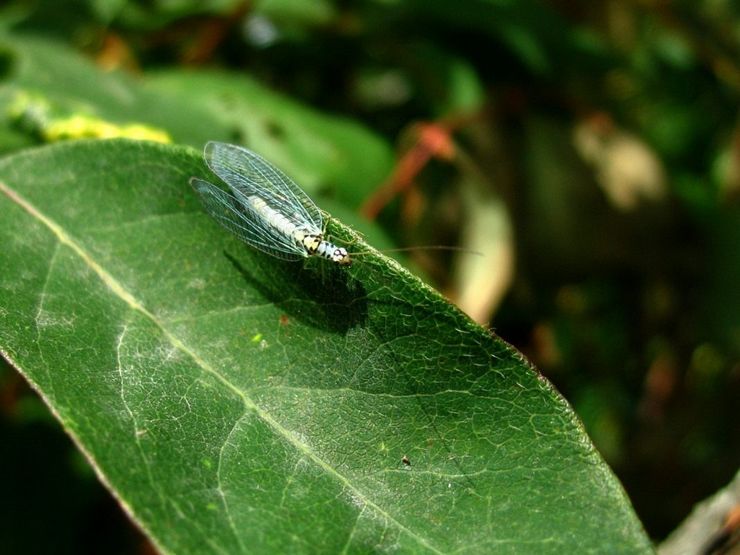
{"x": 238, "y": 136}
{"x": 7, "y": 62}
{"x": 274, "y": 129}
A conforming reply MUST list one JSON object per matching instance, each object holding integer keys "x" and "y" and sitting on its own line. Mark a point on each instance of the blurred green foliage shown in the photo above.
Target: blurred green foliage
{"x": 609, "y": 129}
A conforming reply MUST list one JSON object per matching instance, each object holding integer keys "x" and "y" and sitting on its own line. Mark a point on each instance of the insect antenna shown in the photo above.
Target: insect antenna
{"x": 421, "y": 248}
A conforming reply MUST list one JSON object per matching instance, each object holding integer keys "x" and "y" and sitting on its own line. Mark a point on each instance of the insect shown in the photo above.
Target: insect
{"x": 263, "y": 206}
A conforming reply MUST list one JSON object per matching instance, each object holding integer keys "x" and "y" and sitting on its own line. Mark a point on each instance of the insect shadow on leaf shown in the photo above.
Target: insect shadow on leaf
{"x": 315, "y": 293}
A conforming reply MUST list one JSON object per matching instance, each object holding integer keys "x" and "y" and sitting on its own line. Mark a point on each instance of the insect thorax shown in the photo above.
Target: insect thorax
{"x": 309, "y": 241}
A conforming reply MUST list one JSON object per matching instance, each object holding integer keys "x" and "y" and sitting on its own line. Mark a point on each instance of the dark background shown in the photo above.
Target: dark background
{"x": 608, "y": 130}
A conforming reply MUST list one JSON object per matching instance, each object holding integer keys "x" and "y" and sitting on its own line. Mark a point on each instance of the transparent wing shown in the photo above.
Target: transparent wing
{"x": 239, "y": 218}
{"x": 250, "y": 174}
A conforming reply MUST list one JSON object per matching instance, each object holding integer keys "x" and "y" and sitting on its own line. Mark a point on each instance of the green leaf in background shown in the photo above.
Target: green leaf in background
{"x": 298, "y": 13}
{"x": 236, "y": 403}
{"x": 67, "y": 84}
{"x": 322, "y": 152}
{"x": 319, "y": 151}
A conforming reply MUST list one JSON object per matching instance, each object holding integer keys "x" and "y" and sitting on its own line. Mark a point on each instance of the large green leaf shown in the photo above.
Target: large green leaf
{"x": 236, "y": 403}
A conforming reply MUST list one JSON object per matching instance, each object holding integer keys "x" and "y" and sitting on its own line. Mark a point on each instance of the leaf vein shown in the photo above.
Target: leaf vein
{"x": 219, "y": 481}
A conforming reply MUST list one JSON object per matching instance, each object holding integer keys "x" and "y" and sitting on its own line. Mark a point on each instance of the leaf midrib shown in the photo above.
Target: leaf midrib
{"x": 121, "y": 292}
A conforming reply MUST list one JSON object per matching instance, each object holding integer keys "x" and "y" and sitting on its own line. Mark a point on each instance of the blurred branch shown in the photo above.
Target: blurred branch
{"x": 712, "y": 527}
{"x": 431, "y": 140}
{"x": 211, "y": 34}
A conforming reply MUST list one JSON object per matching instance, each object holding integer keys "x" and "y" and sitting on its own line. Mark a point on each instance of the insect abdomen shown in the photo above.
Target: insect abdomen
{"x": 312, "y": 241}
